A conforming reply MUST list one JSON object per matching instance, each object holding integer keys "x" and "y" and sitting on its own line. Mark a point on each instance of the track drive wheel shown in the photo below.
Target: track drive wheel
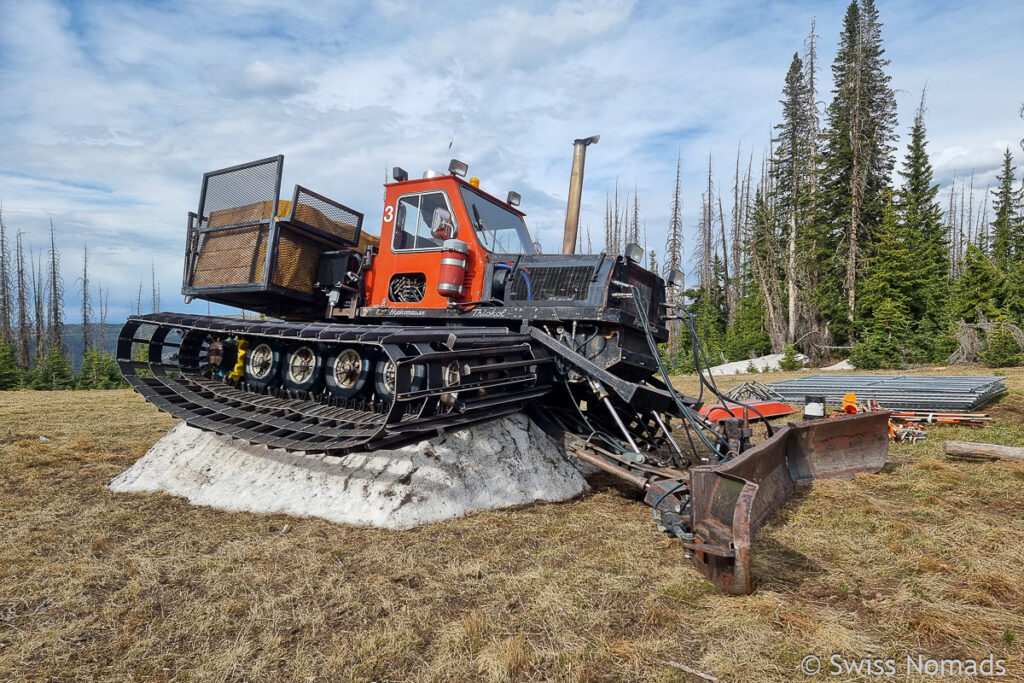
{"x": 303, "y": 369}
{"x": 262, "y": 365}
{"x": 346, "y": 373}
{"x": 385, "y": 379}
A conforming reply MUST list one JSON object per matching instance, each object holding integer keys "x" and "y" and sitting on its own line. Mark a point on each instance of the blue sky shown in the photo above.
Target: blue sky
{"x": 111, "y": 111}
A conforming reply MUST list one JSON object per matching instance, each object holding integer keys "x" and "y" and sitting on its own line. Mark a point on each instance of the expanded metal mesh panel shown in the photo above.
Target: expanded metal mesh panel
{"x": 319, "y": 214}
{"x": 297, "y": 258}
{"x": 552, "y": 283}
{"x": 234, "y": 256}
{"x": 243, "y": 194}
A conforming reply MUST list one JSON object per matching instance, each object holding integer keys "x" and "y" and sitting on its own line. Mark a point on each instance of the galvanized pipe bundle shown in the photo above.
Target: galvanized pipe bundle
{"x": 898, "y": 392}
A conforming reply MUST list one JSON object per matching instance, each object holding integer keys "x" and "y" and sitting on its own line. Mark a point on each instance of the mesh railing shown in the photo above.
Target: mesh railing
{"x": 326, "y": 217}
{"x": 241, "y": 194}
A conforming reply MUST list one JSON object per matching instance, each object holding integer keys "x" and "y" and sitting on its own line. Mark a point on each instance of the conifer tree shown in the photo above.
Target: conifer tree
{"x": 1004, "y": 205}
{"x": 10, "y": 373}
{"x": 891, "y": 269}
{"x": 790, "y": 170}
{"x": 55, "y": 316}
{"x": 976, "y": 293}
{"x": 857, "y": 155}
{"x": 884, "y": 345}
{"x": 927, "y": 280}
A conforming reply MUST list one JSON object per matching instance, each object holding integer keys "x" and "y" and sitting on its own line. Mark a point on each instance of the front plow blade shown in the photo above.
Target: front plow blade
{"x": 733, "y": 500}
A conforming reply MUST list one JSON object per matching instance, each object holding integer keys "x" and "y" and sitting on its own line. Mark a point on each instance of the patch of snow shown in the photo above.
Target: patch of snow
{"x": 764, "y": 363}
{"x": 841, "y": 365}
{"x": 505, "y": 462}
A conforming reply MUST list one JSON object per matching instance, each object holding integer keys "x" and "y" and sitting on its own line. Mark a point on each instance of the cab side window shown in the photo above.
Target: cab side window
{"x": 413, "y": 219}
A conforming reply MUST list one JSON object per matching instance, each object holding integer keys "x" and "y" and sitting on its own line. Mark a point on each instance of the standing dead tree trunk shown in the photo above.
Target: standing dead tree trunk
{"x": 24, "y": 320}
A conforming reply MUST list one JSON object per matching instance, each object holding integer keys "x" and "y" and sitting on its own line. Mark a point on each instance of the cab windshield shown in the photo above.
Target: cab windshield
{"x": 500, "y": 231}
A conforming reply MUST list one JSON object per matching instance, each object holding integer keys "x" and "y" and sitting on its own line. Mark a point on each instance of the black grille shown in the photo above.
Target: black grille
{"x": 552, "y": 283}
{"x": 325, "y": 217}
{"x": 644, "y": 281}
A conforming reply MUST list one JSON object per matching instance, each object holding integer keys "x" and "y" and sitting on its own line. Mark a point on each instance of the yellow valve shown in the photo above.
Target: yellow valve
{"x": 239, "y": 368}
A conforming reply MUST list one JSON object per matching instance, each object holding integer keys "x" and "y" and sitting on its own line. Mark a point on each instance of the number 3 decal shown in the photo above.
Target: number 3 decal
{"x": 389, "y": 213}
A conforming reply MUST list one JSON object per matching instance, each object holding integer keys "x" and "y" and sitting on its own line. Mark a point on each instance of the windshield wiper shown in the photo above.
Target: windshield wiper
{"x": 481, "y": 228}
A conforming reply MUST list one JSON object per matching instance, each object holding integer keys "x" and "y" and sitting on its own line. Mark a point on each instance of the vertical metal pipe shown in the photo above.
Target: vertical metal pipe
{"x": 572, "y": 213}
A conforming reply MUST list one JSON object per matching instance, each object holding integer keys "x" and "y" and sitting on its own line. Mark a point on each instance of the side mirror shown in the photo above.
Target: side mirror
{"x": 442, "y": 226}
{"x": 676, "y": 278}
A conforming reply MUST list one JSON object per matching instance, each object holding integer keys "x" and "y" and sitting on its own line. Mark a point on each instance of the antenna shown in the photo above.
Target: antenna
{"x": 459, "y": 121}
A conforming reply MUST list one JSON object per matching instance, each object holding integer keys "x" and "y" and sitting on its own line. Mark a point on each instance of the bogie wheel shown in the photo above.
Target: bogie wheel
{"x": 303, "y": 369}
{"x": 451, "y": 376}
{"x": 385, "y": 378}
{"x": 262, "y": 365}
{"x": 346, "y": 373}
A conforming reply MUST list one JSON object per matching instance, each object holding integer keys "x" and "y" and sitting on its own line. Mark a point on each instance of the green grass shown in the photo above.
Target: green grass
{"x": 922, "y": 558}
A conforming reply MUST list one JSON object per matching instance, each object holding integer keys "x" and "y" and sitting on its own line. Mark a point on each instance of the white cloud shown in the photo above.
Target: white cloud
{"x": 113, "y": 110}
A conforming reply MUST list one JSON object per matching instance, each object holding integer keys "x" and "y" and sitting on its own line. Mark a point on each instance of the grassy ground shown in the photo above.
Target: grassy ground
{"x": 923, "y": 558}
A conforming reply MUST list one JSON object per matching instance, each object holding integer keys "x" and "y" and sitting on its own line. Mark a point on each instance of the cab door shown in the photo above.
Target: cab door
{"x": 408, "y": 266}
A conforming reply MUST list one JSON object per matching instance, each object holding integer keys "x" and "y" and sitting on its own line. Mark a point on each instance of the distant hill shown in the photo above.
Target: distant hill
{"x": 73, "y": 340}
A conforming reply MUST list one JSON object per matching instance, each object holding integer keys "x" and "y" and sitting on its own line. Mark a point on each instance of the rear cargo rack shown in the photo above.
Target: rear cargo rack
{"x": 248, "y": 248}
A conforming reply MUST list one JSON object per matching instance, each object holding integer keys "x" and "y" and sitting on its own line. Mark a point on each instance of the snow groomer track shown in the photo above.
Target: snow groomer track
{"x": 403, "y": 384}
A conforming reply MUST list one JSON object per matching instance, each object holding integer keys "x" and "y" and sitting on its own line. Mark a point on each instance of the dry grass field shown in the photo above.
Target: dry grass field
{"x": 923, "y": 558}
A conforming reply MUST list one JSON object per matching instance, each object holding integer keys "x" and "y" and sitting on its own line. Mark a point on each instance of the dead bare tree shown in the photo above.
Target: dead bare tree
{"x": 86, "y": 305}
{"x": 103, "y": 297}
{"x": 155, "y": 287}
{"x": 39, "y": 304}
{"x": 6, "y": 298}
{"x": 24, "y": 320}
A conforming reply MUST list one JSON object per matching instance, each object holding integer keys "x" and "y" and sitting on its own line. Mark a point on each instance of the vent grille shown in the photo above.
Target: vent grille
{"x": 552, "y": 283}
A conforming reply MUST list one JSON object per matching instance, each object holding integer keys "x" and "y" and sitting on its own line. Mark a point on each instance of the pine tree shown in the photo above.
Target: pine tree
{"x": 790, "y": 170}
{"x": 891, "y": 268}
{"x": 927, "y": 282}
{"x": 10, "y": 373}
{"x": 978, "y": 288}
{"x": 1004, "y": 205}
{"x": 886, "y": 340}
{"x": 857, "y": 154}
{"x": 53, "y": 371}
{"x": 55, "y": 317}
{"x": 1011, "y": 296}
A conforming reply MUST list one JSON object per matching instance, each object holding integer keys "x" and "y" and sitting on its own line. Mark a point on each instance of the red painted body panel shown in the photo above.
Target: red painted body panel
{"x": 769, "y": 409}
{"x": 428, "y": 262}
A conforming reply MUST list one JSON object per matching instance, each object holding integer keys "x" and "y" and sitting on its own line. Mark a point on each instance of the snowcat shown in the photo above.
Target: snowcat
{"x": 451, "y": 317}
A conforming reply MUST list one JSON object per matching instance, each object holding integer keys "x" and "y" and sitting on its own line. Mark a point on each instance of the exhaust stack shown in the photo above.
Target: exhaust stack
{"x": 572, "y": 213}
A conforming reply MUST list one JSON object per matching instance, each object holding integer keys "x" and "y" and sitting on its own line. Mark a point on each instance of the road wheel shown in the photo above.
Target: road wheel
{"x": 303, "y": 369}
{"x": 346, "y": 373}
{"x": 262, "y": 365}
{"x": 385, "y": 379}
